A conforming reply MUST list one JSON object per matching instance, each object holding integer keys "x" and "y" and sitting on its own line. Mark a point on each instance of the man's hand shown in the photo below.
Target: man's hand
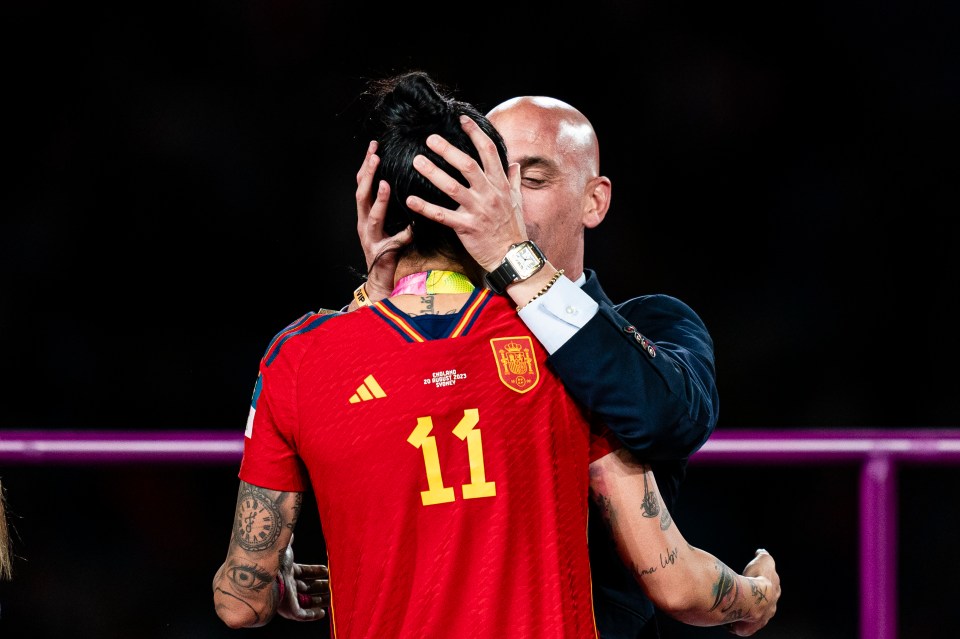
{"x": 371, "y": 211}
{"x": 765, "y": 584}
{"x": 490, "y": 216}
{"x": 307, "y": 589}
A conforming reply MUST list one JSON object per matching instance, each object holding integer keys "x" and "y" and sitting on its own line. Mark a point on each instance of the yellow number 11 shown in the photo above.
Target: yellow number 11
{"x": 427, "y": 443}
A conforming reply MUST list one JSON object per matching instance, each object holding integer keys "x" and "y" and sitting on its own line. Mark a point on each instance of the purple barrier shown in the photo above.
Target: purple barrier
{"x": 734, "y": 446}
{"x": 831, "y": 445}
{"x": 878, "y": 451}
{"x": 97, "y": 447}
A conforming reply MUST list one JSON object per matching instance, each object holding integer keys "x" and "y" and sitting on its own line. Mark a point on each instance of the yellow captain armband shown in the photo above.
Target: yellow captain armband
{"x": 553, "y": 280}
{"x": 360, "y": 295}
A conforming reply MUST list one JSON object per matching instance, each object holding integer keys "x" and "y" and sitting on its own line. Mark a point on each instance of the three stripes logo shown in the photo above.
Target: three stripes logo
{"x": 368, "y": 390}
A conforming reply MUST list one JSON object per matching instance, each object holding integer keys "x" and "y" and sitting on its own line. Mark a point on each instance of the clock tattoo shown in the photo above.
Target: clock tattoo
{"x": 258, "y": 522}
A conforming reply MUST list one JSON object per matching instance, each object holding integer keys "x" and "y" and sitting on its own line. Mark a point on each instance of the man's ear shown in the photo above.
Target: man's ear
{"x": 596, "y": 201}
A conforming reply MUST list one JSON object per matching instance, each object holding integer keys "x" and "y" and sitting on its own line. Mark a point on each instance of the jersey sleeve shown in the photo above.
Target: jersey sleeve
{"x": 270, "y": 456}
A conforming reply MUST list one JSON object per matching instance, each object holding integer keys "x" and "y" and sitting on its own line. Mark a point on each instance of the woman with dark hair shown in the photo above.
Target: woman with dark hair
{"x": 409, "y": 108}
{"x": 450, "y": 468}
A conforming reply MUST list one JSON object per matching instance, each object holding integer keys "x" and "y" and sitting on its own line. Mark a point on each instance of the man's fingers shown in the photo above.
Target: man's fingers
{"x": 457, "y": 158}
{"x": 484, "y": 145}
{"x": 439, "y": 178}
{"x": 436, "y": 213}
{"x": 514, "y": 178}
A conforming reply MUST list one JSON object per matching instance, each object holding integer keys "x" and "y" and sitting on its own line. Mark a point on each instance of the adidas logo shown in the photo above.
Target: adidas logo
{"x": 368, "y": 390}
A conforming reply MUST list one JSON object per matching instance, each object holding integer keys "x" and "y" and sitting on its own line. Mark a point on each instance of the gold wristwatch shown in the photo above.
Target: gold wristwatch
{"x": 521, "y": 261}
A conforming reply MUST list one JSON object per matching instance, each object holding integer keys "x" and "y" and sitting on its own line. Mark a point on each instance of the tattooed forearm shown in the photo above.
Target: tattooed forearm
{"x": 650, "y": 505}
{"x": 665, "y": 519}
{"x": 734, "y": 615}
{"x": 669, "y": 558}
{"x": 644, "y": 571}
{"x": 245, "y": 590}
{"x": 297, "y": 505}
{"x": 249, "y": 577}
{"x": 665, "y": 560}
{"x": 726, "y": 589}
{"x": 218, "y": 606}
{"x": 606, "y": 508}
{"x": 258, "y": 519}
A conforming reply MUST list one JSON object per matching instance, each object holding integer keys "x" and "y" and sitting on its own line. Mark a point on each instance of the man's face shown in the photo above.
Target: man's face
{"x": 552, "y": 182}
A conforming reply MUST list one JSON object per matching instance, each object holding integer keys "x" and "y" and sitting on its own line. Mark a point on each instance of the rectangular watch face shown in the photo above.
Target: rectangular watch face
{"x": 525, "y": 262}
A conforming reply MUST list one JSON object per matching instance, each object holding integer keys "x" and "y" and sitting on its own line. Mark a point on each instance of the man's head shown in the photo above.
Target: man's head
{"x": 409, "y": 108}
{"x": 559, "y": 157}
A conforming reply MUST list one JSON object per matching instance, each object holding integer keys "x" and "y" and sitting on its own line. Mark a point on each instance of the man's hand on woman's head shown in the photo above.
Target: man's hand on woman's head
{"x": 490, "y": 216}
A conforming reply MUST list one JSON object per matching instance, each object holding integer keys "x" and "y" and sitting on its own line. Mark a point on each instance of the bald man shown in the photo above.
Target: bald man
{"x": 645, "y": 366}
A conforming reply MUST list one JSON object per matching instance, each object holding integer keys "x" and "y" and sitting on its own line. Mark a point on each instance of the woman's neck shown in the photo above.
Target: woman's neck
{"x": 415, "y": 263}
{"x": 430, "y": 286}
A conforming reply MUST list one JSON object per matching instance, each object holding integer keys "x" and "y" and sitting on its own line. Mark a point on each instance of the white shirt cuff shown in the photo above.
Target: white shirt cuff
{"x": 558, "y": 314}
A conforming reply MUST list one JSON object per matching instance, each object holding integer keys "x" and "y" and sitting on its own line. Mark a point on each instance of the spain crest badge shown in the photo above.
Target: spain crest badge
{"x": 516, "y": 363}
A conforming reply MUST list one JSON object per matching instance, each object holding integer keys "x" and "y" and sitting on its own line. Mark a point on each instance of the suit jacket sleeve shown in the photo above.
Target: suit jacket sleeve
{"x": 646, "y": 368}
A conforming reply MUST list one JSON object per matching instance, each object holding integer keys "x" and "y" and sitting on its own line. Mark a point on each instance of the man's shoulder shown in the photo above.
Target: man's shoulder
{"x": 647, "y": 303}
{"x": 658, "y": 301}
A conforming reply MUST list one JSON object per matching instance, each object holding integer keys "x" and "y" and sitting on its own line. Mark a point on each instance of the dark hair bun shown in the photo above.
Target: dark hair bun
{"x": 412, "y": 100}
{"x": 410, "y": 107}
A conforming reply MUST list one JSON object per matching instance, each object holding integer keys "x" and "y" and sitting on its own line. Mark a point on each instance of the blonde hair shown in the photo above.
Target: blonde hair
{"x": 6, "y": 565}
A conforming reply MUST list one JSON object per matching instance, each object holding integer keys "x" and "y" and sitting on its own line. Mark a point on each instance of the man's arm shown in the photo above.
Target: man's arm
{"x": 246, "y": 591}
{"x": 689, "y": 584}
{"x": 645, "y": 367}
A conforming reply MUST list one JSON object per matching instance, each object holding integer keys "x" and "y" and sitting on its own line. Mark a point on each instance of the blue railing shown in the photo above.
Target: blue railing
{"x": 879, "y": 454}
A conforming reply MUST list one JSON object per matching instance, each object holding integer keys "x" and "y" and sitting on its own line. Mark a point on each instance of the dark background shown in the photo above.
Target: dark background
{"x": 179, "y": 186}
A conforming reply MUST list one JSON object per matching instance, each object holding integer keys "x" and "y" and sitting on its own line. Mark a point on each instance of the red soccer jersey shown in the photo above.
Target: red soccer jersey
{"x": 450, "y": 472}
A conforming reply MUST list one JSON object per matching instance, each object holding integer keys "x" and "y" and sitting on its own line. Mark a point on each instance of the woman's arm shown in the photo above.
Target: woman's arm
{"x": 689, "y": 584}
{"x": 246, "y": 591}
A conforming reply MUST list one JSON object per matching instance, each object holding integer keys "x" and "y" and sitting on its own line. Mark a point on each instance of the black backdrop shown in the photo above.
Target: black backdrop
{"x": 179, "y": 186}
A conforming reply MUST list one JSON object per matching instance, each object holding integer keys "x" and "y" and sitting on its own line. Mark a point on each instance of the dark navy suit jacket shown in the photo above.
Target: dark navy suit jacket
{"x": 646, "y": 368}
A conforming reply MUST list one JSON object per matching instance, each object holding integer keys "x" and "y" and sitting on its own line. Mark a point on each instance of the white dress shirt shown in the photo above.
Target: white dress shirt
{"x": 556, "y": 315}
